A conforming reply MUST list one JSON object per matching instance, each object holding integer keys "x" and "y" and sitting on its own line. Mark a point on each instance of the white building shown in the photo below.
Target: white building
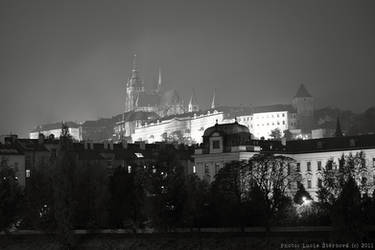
{"x": 190, "y": 125}
{"x": 264, "y": 119}
{"x": 225, "y": 143}
{"x": 54, "y": 129}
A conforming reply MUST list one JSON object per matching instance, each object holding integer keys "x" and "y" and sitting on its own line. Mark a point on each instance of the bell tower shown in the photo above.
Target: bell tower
{"x": 303, "y": 102}
{"x": 134, "y": 86}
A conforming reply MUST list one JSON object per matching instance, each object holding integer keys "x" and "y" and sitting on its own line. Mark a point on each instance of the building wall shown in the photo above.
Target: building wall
{"x": 305, "y": 112}
{"x": 200, "y": 123}
{"x": 324, "y": 157}
{"x": 206, "y": 166}
{"x": 192, "y": 127}
{"x": 76, "y": 133}
{"x": 261, "y": 124}
{"x": 17, "y": 162}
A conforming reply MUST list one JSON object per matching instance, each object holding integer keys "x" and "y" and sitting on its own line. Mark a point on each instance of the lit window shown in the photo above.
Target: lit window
{"x": 319, "y": 165}
{"x": 194, "y": 169}
{"x": 308, "y": 183}
{"x": 28, "y": 173}
{"x": 139, "y": 155}
{"x": 129, "y": 169}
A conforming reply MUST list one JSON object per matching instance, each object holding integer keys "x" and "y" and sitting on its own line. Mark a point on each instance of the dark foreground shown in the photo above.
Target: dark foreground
{"x": 297, "y": 238}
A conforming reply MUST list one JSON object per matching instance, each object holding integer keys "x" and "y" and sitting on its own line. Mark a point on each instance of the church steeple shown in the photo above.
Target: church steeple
{"x": 134, "y": 86}
{"x": 158, "y": 86}
{"x": 193, "y": 105}
{"x": 134, "y": 80}
{"x": 338, "y": 132}
{"x": 213, "y": 100}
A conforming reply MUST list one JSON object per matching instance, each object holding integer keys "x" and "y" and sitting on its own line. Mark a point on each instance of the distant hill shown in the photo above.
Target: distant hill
{"x": 351, "y": 123}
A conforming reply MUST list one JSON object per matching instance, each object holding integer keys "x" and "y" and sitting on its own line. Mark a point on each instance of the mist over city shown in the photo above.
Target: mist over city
{"x": 187, "y": 124}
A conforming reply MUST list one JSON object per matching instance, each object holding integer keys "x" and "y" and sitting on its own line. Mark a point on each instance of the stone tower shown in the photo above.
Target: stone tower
{"x": 134, "y": 86}
{"x": 303, "y": 102}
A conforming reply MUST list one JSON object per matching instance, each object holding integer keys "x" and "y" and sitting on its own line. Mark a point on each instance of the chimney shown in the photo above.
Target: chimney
{"x": 142, "y": 145}
{"x": 91, "y": 145}
{"x": 124, "y": 144}
{"x": 111, "y": 145}
{"x": 86, "y": 145}
{"x": 105, "y": 145}
{"x": 41, "y": 138}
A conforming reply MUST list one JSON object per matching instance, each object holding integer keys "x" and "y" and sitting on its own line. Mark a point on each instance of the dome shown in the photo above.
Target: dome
{"x": 170, "y": 97}
{"x": 227, "y": 129}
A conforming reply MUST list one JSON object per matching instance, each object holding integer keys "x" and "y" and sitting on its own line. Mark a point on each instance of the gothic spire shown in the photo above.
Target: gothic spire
{"x": 213, "y": 100}
{"x": 338, "y": 132}
{"x": 193, "y": 104}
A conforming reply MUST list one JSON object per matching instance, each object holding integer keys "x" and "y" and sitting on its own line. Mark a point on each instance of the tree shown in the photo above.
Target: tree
{"x": 301, "y": 194}
{"x": 272, "y": 175}
{"x": 64, "y": 171}
{"x": 346, "y": 214}
{"x": 10, "y": 196}
{"x": 128, "y": 196}
{"x": 276, "y": 134}
{"x": 91, "y": 196}
{"x": 288, "y": 135}
{"x": 229, "y": 194}
{"x": 39, "y": 207}
{"x": 196, "y": 201}
{"x": 168, "y": 191}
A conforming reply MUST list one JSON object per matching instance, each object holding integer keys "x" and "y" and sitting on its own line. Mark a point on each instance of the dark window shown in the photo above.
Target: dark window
{"x": 373, "y": 162}
{"x": 309, "y": 166}
{"x": 215, "y": 144}
{"x": 308, "y": 183}
{"x": 298, "y": 167}
{"x": 288, "y": 169}
{"x": 319, "y": 165}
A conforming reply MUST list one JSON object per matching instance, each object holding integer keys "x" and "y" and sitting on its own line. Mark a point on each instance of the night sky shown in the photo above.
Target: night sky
{"x": 69, "y": 60}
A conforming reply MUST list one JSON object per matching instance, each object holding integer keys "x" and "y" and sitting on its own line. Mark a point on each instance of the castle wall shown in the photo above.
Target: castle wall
{"x": 190, "y": 127}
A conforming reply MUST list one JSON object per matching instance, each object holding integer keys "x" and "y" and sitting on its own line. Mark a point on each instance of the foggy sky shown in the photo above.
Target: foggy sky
{"x": 69, "y": 60}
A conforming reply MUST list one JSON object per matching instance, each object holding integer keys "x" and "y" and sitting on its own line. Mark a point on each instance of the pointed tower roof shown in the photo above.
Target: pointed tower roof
{"x": 302, "y": 92}
{"x": 213, "y": 99}
{"x": 134, "y": 79}
{"x": 193, "y": 99}
{"x": 338, "y": 132}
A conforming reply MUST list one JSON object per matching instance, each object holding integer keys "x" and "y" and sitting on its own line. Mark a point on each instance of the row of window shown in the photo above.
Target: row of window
{"x": 250, "y": 118}
{"x": 319, "y": 166}
{"x": 272, "y": 124}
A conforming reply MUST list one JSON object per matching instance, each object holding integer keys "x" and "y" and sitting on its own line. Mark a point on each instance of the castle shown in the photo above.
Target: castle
{"x": 153, "y": 115}
{"x": 163, "y": 103}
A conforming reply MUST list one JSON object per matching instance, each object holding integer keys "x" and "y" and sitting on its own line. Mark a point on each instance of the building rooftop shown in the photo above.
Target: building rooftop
{"x": 302, "y": 92}
{"x": 331, "y": 144}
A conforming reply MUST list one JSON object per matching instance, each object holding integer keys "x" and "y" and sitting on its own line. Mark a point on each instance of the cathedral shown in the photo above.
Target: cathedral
{"x": 163, "y": 103}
